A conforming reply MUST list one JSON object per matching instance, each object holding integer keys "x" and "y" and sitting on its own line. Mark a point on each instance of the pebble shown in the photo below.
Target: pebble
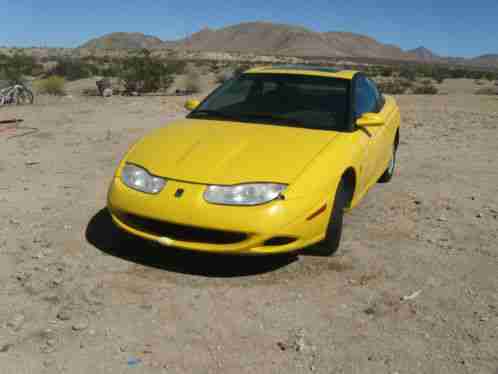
{"x": 16, "y": 322}
{"x": 79, "y": 326}
{"x": 64, "y": 315}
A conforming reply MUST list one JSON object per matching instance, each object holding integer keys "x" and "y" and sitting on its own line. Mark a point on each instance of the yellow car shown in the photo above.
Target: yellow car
{"x": 266, "y": 164}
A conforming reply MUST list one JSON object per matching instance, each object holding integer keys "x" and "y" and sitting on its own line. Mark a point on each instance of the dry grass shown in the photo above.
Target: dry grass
{"x": 53, "y": 85}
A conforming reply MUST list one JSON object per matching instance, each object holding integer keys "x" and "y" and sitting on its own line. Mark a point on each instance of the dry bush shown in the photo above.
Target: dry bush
{"x": 478, "y": 82}
{"x": 393, "y": 87}
{"x": 425, "y": 89}
{"x": 487, "y": 91}
{"x": 53, "y": 85}
{"x": 193, "y": 81}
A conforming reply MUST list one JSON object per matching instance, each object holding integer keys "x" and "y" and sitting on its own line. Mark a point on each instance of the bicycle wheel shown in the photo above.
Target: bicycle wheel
{"x": 27, "y": 95}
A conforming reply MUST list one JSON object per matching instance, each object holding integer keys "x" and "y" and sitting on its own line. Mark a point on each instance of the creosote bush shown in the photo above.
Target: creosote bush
{"x": 426, "y": 88}
{"x": 145, "y": 73}
{"x": 53, "y": 85}
{"x": 394, "y": 87}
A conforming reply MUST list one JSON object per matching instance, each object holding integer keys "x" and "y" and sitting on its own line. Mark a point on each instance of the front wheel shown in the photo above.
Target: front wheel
{"x": 330, "y": 244}
{"x": 389, "y": 172}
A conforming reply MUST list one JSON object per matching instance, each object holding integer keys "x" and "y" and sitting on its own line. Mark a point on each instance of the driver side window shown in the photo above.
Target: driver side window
{"x": 365, "y": 97}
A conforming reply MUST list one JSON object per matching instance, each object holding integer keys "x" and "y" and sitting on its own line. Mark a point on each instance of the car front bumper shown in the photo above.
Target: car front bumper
{"x": 189, "y": 222}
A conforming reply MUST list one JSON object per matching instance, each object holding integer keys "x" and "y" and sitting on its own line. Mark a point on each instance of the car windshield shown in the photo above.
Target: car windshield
{"x": 311, "y": 102}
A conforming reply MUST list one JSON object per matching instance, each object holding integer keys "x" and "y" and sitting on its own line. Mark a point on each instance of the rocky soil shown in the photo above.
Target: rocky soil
{"x": 414, "y": 288}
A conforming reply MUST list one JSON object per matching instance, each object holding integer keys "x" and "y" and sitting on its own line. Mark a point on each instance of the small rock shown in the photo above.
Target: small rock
{"x": 370, "y": 310}
{"x": 16, "y": 322}
{"x": 478, "y": 215}
{"x": 64, "y": 315}
{"x": 107, "y": 92}
{"x": 282, "y": 346}
{"x": 79, "y": 326}
{"x": 5, "y": 348}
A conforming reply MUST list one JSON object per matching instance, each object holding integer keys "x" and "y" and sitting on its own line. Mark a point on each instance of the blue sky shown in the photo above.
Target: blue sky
{"x": 456, "y": 27}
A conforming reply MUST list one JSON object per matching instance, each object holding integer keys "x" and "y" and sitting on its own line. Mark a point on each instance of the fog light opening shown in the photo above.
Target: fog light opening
{"x": 279, "y": 240}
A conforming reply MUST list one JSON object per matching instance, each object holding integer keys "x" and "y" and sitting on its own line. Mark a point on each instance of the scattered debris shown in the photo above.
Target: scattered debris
{"x": 133, "y": 362}
{"x": 14, "y": 120}
{"x": 412, "y": 296}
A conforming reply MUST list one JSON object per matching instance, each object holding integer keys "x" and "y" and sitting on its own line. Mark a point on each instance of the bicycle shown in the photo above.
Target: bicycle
{"x": 16, "y": 94}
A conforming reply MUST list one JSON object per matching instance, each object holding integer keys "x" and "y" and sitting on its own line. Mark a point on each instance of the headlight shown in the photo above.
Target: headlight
{"x": 244, "y": 194}
{"x": 139, "y": 179}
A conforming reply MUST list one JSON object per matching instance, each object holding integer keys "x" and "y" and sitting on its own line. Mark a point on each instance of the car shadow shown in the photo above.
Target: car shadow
{"x": 106, "y": 237}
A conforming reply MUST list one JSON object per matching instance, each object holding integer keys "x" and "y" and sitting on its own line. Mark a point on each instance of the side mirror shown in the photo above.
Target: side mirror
{"x": 192, "y": 104}
{"x": 370, "y": 119}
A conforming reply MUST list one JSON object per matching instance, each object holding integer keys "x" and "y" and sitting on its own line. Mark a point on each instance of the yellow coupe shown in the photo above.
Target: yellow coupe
{"x": 266, "y": 164}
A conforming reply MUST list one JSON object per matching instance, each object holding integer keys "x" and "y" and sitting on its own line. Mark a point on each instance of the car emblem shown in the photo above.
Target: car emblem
{"x": 179, "y": 192}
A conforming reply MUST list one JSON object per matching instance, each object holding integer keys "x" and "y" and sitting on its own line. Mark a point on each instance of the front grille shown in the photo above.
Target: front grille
{"x": 182, "y": 232}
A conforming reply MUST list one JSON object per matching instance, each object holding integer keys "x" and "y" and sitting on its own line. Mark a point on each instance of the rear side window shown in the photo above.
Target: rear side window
{"x": 366, "y": 97}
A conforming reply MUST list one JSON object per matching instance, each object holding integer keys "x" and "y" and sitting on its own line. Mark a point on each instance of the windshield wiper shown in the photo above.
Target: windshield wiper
{"x": 212, "y": 112}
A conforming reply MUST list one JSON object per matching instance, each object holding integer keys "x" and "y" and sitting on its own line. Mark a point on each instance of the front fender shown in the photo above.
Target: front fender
{"x": 323, "y": 174}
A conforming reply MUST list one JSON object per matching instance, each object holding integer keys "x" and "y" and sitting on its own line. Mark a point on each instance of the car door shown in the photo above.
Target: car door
{"x": 368, "y": 100}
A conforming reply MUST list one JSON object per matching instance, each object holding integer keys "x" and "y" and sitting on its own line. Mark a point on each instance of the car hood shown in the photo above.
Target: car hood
{"x": 222, "y": 152}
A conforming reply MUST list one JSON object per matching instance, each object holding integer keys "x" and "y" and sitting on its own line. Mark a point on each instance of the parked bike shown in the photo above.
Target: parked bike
{"x": 16, "y": 94}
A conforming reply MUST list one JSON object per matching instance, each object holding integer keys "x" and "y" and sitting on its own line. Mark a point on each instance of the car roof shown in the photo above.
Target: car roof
{"x": 322, "y": 71}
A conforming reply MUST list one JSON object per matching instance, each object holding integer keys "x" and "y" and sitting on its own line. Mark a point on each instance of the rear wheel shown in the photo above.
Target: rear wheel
{"x": 389, "y": 172}
{"x": 330, "y": 244}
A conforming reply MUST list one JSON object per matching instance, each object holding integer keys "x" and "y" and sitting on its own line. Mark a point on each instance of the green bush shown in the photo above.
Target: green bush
{"x": 14, "y": 68}
{"x": 73, "y": 69}
{"x": 53, "y": 85}
{"x": 143, "y": 73}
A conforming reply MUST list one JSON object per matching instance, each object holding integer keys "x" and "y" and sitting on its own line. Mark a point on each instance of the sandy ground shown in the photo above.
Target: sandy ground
{"x": 75, "y": 299}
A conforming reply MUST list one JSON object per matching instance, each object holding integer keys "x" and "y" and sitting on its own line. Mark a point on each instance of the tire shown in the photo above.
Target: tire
{"x": 389, "y": 172}
{"x": 330, "y": 244}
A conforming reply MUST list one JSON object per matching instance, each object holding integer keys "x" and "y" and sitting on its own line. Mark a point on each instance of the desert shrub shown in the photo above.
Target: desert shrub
{"x": 193, "y": 81}
{"x": 425, "y": 89}
{"x": 143, "y": 72}
{"x": 393, "y": 87}
{"x": 176, "y": 66}
{"x": 478, "y": 82}
{"x": 73, "y": 69}
{"x": 408, "y": 74}
{"x": 14, "y": 68}
{"x": 487, "y": 91}
{"x": 386, "y": 72}
{"x": 53, "y": 85}
{"x": 439, "y": 79}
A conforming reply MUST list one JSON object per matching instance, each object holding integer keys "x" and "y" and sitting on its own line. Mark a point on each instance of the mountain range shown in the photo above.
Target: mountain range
{"x": 280, "y": 39}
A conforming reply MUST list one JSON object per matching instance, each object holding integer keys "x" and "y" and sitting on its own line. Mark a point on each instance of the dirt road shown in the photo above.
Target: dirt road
{"x": 414, "y": 288}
